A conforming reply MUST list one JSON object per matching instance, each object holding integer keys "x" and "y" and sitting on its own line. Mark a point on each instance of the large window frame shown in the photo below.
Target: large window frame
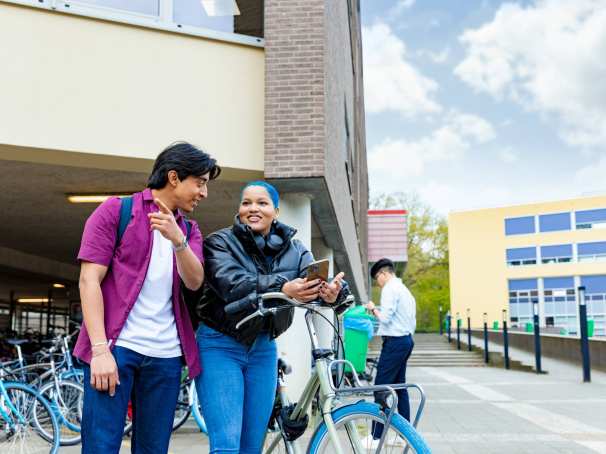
{"x": 591, "y": 223}
{"x": 164, "y": 21}
{"x": 546, "y": 258}
{"x": 523, "y": 256}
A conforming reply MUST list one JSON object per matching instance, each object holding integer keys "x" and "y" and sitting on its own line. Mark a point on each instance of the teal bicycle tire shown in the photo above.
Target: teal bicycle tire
{"x": 55, "y": 441}
{"x": 362, "y": 409}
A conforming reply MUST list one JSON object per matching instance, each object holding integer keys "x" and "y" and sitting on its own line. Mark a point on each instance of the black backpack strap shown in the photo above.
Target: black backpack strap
{"x": 188, "y": 228}
{"x": 126, "y": 208}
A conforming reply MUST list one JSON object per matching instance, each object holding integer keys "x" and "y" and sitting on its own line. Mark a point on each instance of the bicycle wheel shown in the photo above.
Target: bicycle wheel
{"x": 182, "y": 410}
{"x": 196, "y": 411}
{"x": 23, "y": 411}
{"x": 354, "y": 427}
{"x": 66, "y": 398}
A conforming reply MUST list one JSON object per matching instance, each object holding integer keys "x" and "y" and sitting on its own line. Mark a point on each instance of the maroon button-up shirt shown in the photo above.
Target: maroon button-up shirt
{"x": 129, "y": 263}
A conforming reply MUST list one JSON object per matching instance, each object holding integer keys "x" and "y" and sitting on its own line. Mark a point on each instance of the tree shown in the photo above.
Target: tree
{"x": 427, "y": 271}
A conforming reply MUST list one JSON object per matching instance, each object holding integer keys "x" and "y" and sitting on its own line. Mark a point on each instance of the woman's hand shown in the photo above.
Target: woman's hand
{"x": 302, "y": 290}
{"x": 329, "y": 291}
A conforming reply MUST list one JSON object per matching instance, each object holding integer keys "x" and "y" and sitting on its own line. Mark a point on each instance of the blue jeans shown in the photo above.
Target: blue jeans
{"x": 153, "y": 386}
{"x": 391, "y": 368}
{"x": 237, "y": 388}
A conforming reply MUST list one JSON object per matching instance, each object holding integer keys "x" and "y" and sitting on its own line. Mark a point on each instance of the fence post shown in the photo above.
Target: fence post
{"x": 458, "y": 332}
{"x": 468, "y": 330}
{"x": 486, "y": 358}
{"x": 537, "y": 336}
{"x": 584, "y": 336}
{"x": 505, "y": 339}
{"x": 449, "y": 326}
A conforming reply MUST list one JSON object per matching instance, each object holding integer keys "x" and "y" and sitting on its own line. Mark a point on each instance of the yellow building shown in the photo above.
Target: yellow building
{"x": 513, "y": 257}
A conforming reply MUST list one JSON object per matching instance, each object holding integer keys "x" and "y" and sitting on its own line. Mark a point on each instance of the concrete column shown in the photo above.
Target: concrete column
{"x": 294, "y": 345}
{"x": 323, "y": 329}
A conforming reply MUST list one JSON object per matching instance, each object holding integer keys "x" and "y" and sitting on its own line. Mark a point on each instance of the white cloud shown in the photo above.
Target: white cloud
{"x": 401, "y": 158}
{"x": 391, "y": 83}
{"x": 591, "y": 178}
{"x": 548, "y": 57}
{"x": 508, "y": 156}
{"x": 436, "y": 57}
{"x": 401, "y": 5}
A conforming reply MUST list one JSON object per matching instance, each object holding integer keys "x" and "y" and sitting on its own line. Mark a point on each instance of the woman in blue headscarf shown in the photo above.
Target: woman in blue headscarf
{"x": 257, "y": 254}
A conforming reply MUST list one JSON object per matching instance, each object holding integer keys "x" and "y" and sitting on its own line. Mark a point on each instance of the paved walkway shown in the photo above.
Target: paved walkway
{"x": 488, "y": 410}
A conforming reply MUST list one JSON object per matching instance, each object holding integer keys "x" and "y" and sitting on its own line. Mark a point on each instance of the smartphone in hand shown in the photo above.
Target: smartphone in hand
{"x": 318, "y": 270}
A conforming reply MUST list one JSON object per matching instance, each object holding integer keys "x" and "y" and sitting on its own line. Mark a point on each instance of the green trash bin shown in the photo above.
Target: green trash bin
{"x": 495, "y": 325}
{"x": 529, "y": 327}
{"x": 590, "y": 327}
{"x": 358, "y": 331}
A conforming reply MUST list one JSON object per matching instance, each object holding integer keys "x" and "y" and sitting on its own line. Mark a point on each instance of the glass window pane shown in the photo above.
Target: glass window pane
{"x": 554, "y": 222}
{"x": 244, "y": 17}
{"x": 519, "y": 226}
{"x": 558, "y": 282}
{"x": 556, "y": 250}
{"x": 522, "y": 253}
{"x": 589, "y": 216}
{"x": 149, "y": 7}
{"x": 594, "y": 284}
{"x": 599, "y": 247}
{"x": 522, "y": 284}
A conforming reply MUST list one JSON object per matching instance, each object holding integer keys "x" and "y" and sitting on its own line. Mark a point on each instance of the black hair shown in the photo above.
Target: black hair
{"x": 186, "y": 160}
{"x": 387, "y": 269}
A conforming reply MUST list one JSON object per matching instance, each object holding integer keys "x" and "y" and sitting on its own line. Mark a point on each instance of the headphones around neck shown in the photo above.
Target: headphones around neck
{"x": 273, "y": 241}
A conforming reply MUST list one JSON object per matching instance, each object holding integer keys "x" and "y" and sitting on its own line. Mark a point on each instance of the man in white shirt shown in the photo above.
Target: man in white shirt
{"x": 397, "y": 321}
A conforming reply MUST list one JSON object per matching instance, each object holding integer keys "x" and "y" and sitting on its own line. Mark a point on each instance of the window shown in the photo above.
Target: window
{"x": 519, "y": 226}
{"x": 228, "y": 16}
{"x": 147, "y": 7}
{"x": 554, "y": 222}
{"x": 595, "y": 297}
{"x": 522, "y": 256}
{"x": 559, "y": 253}
{"x": 522, "y": 294}
{"x": 560, "y": 303}
{"x": 591, "y": 219}
{"x": 592, "y": 252}
{"x": 239, "y": 21}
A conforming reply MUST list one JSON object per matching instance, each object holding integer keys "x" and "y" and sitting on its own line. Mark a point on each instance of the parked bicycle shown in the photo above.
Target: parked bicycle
{"x": 339, "y": 429}
{"x": 29, "y": 424}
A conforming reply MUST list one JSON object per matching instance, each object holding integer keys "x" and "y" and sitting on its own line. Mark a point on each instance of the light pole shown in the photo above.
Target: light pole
{"x": 584, "y": 336}
{"x": 449, "y": 326}
{"x": 505, "y": 339}
{"x": 458, "y": 332}
{"x": 440, "y": 320}
{"x": 485, "y": 317}
{"x": 537, "y": 335}
{"x": 468, "y": 329}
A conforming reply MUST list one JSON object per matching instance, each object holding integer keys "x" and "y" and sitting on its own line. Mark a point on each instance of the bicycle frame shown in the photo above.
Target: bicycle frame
{"x": 322, "y": 381}
{"x": 6, "y": 416}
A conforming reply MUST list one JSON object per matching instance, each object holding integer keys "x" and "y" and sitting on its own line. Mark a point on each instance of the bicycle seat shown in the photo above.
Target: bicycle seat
{"x": 17, "y": 341}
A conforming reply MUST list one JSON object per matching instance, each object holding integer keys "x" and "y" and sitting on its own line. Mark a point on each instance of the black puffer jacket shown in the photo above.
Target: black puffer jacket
{"x": 236, "y": 268}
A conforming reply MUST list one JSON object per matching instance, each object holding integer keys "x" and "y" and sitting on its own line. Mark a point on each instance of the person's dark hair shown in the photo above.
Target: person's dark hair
{"x": 383, "y": 264}
{"x": 186, "y": 160}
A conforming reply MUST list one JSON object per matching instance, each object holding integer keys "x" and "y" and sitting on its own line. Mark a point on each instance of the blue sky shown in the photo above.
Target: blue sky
{"x": 482, "y": 103}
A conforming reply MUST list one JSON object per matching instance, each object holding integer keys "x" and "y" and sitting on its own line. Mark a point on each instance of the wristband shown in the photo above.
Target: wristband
{"x": 182, "y": 246}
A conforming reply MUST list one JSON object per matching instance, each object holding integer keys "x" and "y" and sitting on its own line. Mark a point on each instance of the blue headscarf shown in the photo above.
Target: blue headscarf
{"x": 273, "y": 192}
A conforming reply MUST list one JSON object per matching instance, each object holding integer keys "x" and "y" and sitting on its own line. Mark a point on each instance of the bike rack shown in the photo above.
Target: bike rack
{"x": 390, "y": 388}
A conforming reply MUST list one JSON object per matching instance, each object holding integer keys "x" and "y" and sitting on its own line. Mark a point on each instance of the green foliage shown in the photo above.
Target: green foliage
{"x": 426, "y": 274}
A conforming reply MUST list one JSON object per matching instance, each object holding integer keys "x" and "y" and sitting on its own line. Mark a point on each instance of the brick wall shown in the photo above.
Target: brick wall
{"x": 294, "y": 84}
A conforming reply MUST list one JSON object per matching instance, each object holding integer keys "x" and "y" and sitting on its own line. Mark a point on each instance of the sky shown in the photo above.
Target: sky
{"x": 483, "y": 103}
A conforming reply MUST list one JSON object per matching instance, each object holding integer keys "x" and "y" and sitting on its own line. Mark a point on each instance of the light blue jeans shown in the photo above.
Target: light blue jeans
{"x": 237, "y": 388}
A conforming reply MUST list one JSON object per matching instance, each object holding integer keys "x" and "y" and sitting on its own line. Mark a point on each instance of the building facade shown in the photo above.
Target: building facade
{"x": 537, "y": 255}
{"x": 96, "y": 89}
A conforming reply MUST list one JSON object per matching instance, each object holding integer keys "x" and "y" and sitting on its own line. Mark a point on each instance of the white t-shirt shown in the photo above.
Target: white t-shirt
{"x": 150, "y": 328}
